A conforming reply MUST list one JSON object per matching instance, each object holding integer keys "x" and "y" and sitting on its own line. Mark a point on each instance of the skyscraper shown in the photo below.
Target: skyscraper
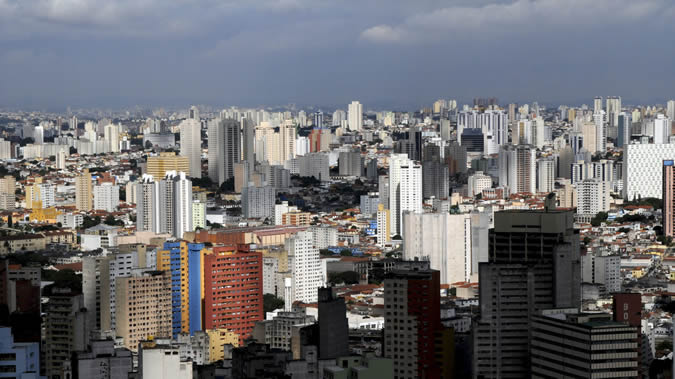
{"x": 597, "y": 104}
{"x": 83, "y": 193}
{"x": 669, "y": 197}
{"x": 224, "y": 148}
{"x": 517, "y": 168}
{"x": 405, "y": 189}
{"x": 147, "y": 211}
{"x": 625, "y": 129}
{"x": 191, "y": 143}
{"x": 355, "y": 115}
{"x": 305, "y": 264}
{"x": 106, "y": 197}
{"x": 248, "y": 140}
{"x": 111, "y": 136}
{"x": 164, "y": 206}
{"x": 545, "y": 175}
{"x": 600, "y": 132}
{"x": 530, "y": 252}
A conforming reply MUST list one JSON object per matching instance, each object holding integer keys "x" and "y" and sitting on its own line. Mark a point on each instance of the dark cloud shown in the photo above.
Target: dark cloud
{"x": 388, "y": 54}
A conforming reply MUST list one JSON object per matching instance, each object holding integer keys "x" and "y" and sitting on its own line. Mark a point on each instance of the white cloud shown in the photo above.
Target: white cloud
{"x": 518, "y": 16}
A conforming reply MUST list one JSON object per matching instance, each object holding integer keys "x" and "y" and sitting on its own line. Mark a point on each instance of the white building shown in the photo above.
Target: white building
{"x": 112, "y": 138}
{"x": 442, "y": 238}
{"x": 600, "y": 131}
{"x": 106, "y": 197}
{"x": 662, "y": 127}
{"x": 355, "y": 115}
{"x": 257, "y": 202}
{"x": 176, "y": 204}
{"x": 545, "y": 175}
{"x": 198, "y": 214}
{"x": 517, "y": 168}
{"x": 383, "y": 226}
{"x": 147, "y": 210}
{"x": 642, "y": 169}
{"x": 308, "y": 273}
{"x": 605, "y": 270}
{"x": 592, "y": 196}
{"x": 5, "y": 149}
{"x": 324, "y": 236}
{"x": 163, "y": 362}
{"x": 61, "y": 159}
{"x": 478, "y": 182}
{"x": 405, "y": 189}
{"x": 191, "y": 145}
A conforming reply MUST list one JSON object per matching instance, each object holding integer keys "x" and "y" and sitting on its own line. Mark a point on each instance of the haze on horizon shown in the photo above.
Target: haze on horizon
{"x": 385, "y": 53}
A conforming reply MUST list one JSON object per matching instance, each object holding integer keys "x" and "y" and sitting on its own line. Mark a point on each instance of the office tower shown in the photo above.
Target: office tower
{"x": 601, "y": 348}
{"x": 545, "y": 174}
{"x": 83, "y": 193}
{"x": 517, "y": 168}
{"x": 191, "y": 143}
{"x": 455, "y": 158}
{"x": 308, "y": 274}
{"x": 435, "y": 180}
{"x": 643, "y": 169}
{"x": 20, "y": 359}
{"x": 530, "y": 252}
{"x": 592, "y": 197}
{"x": 442, "y": 239}
{"x": 625, "y": 129}
{"x": 668, "y": 197}
{"x": 159, "y": 165}
{"x": 65, "y": 330}
{"x": 565, "y": 160}
{"x": 224, "y": 149}
{"x": 600, "y": 132}
{"x": 8, "y": 193}
{"x": 405, "y": 189}
{"x": 446, "y": 130}
{"x": 143, "y": 306}
{"x": 473, "y": 141}
{"x": 338, "y": 116}
{"x": 355, "y": 115}
{"x": 662, "y": 129}
{"x": 613, "y": 109}
{"x": 147, "y": 211}
{"x": 258, "y": 202}
{"x": 350, "y": 163}
{"x": 333, "y": 326}
{"x": 477, "y": 183}
{"x": 106, "y": 197}
{"x": 602, "y": 269}
{"x": 248, "y": 140}
{"x": 383, "y": 228}
{"x": 597, "y": 104}
{"x": 183, "y": 261}
{"x": 112, "y": 138}
{"x": 233, "y": 298}
{"x": 412, "y": 323}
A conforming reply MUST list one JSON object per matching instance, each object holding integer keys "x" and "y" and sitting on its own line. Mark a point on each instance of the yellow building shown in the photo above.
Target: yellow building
{"x": 33, "y": 195}
{"x": 638, "y": 272}
{"x": 218, "y": 338}
{"x": 83, "y": 192}
{"x": 157, "y": 166}
{"x": 44, "y": 214}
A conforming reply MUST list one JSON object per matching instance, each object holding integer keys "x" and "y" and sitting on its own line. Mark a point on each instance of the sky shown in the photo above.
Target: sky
{"x": 388, "y": 54}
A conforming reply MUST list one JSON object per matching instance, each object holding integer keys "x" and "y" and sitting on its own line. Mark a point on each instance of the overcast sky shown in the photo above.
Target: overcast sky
{"x": 397, "y": 54}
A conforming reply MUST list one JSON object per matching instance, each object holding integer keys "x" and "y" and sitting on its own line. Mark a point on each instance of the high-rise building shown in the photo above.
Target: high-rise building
{"x": 61, "y": 159}
{"x": 233, "y": 283}
{"x": 111, "y": 136}
{"x": 258, "y": 202}
{"x": 143, "y": 306}
{"x": 442, "y": 238}
{"x": 405, "y": 189}
{"x": 530, "y": 252}
{"x": 5, "y": 149}
{"x": 350, "y": 163}
{"x": 248, "y": 140}
{"x": 184, "y": 262}
{"x": 65, "y": 330}
{"x": 517, "y": 168}
{"x": 597, "y": 104}
{"x": 455, "y": 158}
{"x": 625, "y": 129}
{"x": 669, "y": 197}
{"x": 224, "y": 148}
{"x": 147, "y": 211}
{"x": 355, "y": 115}
{"x": 308, "y": 274}
{"x": 600, "y": 132}
{"x": 7, "y": 193}
{"x": 191, "y": 143}
{"x": 83, "y": 192}
{"x": 20, "y": 359}
{"x": 333, "y": 326}
{"x": 435, "y": 180}
{"x": 102, "y": 360}
{"x": 413, "y": 333}
{"x": 275, "y": 147}
{"x": 477, "y": 183}
{"x": 602, "y": 269}
{"x": 613, "y": 109}
{"x": 643, "y": 169}
{"x": 662, "y": 129}
{"x": 106, "y": 197}
{"x": 545, "y": 175}
{"x": 592, "y": 197}
{"x": 175, "y": 204}
{"x": 383, "y": 228}
{"x": 338, "y": 116}
{"x": 159, "y": 165}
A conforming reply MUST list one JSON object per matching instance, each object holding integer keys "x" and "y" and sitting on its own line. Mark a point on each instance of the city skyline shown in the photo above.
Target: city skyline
{"x": 385, "y": 54}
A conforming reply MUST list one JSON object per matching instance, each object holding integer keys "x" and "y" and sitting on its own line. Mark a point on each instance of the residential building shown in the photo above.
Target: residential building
{"x": 83, "y": 192}
{"x": 224, "y": 148}
{"x": 355, "y": 116}
{"x": 257, "y": 202}
{"x": 405, "y": 189}
{"x": 159, "y": 165}
{"x": 19, "y": 359}
{"x": 643, "y": 169}
{"x": 106, "y": 197}
{"x": 65, "y": 330}
{"x": 191, "y": 145}
{"x": 308, "y": 274}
